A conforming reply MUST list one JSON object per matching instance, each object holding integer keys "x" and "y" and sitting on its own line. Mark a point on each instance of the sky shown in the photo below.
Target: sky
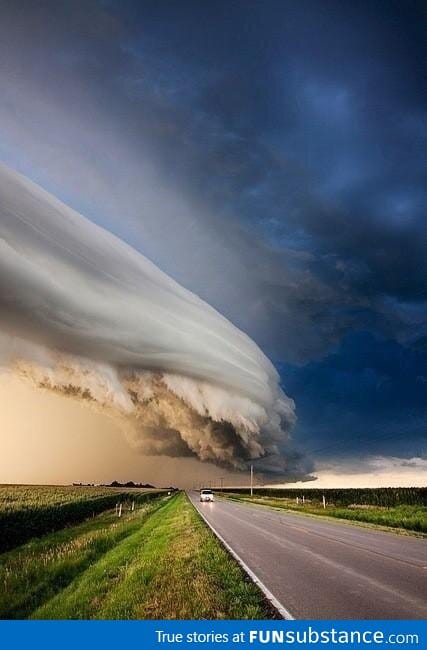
{"x": 270, "y": 157}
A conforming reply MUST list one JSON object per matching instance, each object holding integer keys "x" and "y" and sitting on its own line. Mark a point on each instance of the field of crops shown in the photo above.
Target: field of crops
{"x": 354, "y": 505}
{"x": 383, "y": 497}
{"x": 31, "y": 511}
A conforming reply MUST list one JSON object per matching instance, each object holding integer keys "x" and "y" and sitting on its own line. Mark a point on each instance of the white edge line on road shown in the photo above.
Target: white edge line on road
{"x": 284, "y": 613}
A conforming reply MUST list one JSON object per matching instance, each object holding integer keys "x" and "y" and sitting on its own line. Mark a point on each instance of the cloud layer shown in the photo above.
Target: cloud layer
{"x": 86, "y": 315}
{"x": 270, "y": 158}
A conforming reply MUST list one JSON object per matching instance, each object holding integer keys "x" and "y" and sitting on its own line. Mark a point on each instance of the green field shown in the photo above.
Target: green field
{"x": 382, "y": 497}
{"x": 158, "y": 561}
{"x": 30, "y": 511}
{"x": 407, "y": 517}
{"x": 21, "y": 497}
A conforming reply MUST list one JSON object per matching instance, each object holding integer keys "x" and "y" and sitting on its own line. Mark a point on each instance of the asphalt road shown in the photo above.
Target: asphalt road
{"x": 321, "y": 569}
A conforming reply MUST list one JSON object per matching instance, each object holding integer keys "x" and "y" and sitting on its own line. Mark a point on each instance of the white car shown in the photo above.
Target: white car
{"x": 206, "y": 495}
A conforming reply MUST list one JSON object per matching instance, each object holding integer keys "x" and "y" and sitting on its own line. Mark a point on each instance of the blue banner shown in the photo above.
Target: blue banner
{"x": 173, "y": 635}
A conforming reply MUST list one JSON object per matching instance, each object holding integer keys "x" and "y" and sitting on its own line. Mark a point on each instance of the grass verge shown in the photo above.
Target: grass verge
{"x": 34, "y": 573}
{"x": 160, "y": 562}
{"x": 412, "y": 519}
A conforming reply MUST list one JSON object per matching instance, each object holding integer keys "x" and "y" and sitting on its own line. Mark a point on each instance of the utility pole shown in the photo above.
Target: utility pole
{"x": 222, "y": 482}
{"x": 252, "y": 480}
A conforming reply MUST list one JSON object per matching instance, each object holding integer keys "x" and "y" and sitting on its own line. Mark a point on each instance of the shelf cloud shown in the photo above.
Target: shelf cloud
{"x": 86, "y": 315}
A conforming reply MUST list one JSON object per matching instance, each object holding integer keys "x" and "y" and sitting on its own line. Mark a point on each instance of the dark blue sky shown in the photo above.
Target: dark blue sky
{"x": 270, "y": 156}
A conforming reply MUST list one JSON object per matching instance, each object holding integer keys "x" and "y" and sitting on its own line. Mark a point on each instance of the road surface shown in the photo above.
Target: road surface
{"x": 321, "y": 569}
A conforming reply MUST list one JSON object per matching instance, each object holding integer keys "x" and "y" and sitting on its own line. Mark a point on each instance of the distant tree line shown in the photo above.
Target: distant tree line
{"x": 131, "y": 484}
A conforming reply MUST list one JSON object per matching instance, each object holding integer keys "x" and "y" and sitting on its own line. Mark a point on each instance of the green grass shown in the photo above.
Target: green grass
{"x": 34, "y": 573}
{"x": 160, "y": 562}
{"x": 411, "y": 518}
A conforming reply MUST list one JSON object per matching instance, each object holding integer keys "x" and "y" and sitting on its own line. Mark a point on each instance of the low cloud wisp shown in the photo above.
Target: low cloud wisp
{"x": 86, "y": 315}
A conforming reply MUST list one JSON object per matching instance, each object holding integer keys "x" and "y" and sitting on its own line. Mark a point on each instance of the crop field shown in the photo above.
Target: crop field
{"x": 353, "y": 505}
{"x": 383, "y": 497}
{"x": 157, "y": 561}
{"x": 30, "y": 511}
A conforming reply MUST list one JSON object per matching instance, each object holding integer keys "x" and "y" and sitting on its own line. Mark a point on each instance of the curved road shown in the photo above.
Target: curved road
{"x": 321, "y": 569}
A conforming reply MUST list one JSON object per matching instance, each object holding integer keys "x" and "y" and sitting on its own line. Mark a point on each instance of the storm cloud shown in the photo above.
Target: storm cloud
{"x": 269, "y": 158}
{"x": 87, "y": 316}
